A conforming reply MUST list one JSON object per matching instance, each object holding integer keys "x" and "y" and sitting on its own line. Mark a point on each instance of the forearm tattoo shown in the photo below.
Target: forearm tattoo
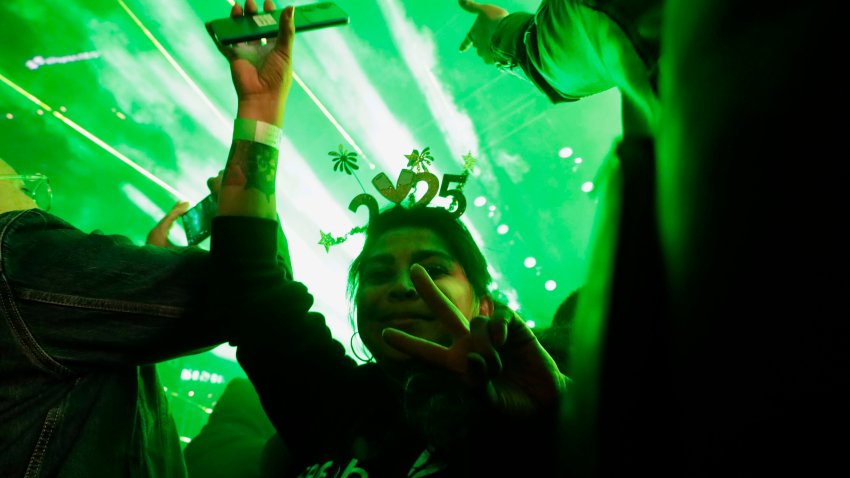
{"x": 251, "y": 165}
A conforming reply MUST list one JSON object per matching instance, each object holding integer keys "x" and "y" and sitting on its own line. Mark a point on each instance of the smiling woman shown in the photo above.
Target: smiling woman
{"x": 450, "y": 375}
{"x": 381, "y": 281}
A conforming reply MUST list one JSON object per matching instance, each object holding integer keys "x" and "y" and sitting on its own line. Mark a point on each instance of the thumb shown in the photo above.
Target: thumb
{"x": 467, "y": 42}
{"x": 287, "y": 31}
{"x": 470, "y": 6}
{"x": 158, "y": 236}
{"x": 178, "y": 210}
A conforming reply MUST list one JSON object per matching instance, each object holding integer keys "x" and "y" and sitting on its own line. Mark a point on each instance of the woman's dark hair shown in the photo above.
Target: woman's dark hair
{"x": 455, "y": 234}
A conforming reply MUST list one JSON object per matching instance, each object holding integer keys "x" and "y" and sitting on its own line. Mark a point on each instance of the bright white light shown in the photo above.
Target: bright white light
{"x": 587, "y": 187}
{"x": 503, "y": 229}
{"x": 224, "y": 122}
{"x": 225, "y": 351}
{"x": 578, "y": 160}
{"x": 565, "y": 152}
{"x": 550, "y": 285}
{"x": 191, "y": 393}
{"x": 530, "y": 324}
{"x": 177, "y": 194}
{"x": 480, "y": 201}
{"x": 492, "y": 208}
{"x": 419, "y": 51}
{"x": 511, "y": 298}
{"x": 513, "y": 303}
{"x": 530, "y": 262}
{"x": 38, "y": 61}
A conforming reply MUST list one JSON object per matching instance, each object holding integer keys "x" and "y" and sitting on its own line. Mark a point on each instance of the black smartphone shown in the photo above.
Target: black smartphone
{"x": 229, "y": 30}
{"x": 198, "y": 220}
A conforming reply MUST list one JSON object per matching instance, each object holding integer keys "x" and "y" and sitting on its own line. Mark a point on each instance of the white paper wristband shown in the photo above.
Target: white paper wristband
{"x": 257, "y": 131}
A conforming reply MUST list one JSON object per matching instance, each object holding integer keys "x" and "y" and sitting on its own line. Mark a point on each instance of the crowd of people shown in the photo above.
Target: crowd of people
{"x": 704, "y": 341}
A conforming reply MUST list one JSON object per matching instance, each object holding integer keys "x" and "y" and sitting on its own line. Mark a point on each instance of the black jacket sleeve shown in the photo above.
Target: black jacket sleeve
{"x": 300, "y": 372}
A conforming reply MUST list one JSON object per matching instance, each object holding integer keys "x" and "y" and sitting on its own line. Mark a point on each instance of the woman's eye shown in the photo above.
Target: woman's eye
{"x": 435, "y": 270}
{"x": 375, "y": 276}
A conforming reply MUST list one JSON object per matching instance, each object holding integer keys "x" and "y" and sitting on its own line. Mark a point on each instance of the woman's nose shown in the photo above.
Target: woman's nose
{"x": 403, "y": 288}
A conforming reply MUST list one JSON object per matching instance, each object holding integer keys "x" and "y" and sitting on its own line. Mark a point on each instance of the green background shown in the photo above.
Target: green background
{"x": 127, "y": 106}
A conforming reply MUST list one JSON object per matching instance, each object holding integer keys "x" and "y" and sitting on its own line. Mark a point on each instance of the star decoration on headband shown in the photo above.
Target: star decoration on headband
{"x": 344, "y": 161}
{"x": 468, "y": 162}
{"x": 328, "y": 240}
{"x": 419, "y": 161}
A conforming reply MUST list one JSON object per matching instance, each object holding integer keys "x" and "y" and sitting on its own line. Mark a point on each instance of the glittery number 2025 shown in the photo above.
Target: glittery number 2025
{"x": 405, "y": 182}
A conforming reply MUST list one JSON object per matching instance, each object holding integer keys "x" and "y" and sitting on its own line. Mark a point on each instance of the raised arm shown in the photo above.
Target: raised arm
{"x": 262, "y": 76}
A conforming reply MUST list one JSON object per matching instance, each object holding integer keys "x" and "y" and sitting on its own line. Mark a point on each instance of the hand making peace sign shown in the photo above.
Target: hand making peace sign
{"x": 497, "y": 353}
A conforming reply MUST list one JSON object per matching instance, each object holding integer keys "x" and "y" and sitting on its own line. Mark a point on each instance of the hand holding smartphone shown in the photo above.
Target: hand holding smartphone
{"x": 197, "y": 222}
{"x": 232, "y": 30}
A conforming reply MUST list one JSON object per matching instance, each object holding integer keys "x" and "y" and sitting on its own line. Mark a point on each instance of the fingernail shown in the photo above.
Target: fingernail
{"x": 290, "y": 13}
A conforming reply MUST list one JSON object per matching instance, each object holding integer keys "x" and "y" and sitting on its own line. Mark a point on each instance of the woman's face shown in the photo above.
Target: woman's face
{"x": 386, "y": 296}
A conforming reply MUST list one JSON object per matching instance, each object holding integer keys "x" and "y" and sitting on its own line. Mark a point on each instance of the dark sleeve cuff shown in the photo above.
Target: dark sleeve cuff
{"x": 507, "y": 41}
{"x": 238, "y": 238}
{"x": 514, "y": 44}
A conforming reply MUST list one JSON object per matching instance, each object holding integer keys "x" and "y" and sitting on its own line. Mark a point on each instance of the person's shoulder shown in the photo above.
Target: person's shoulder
{"x": 12, "y": 221}
{"x": 25, "y": 215}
